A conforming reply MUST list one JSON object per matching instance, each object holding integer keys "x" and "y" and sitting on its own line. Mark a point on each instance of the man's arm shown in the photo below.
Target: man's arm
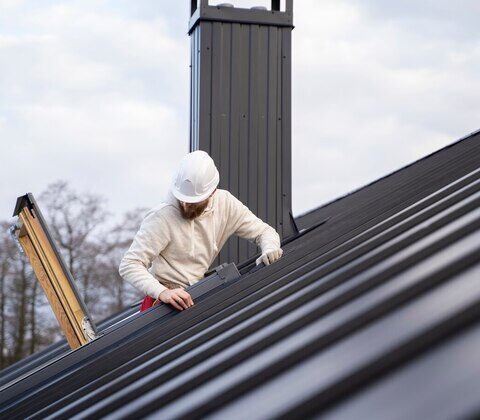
{"x": 149, "y": 241}
{"x": 248, "y": 226}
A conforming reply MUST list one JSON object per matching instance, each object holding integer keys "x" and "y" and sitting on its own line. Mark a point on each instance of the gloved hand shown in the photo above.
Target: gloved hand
{"x": 269, "y": 256}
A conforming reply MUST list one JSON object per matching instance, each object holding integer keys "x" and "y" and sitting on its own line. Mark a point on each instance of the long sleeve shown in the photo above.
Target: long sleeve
{"x": 246, "y": 225}
{"x": 152, "y": 237}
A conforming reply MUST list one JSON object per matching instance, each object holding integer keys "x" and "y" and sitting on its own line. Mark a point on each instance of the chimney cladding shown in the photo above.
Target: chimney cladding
{"x": 240, "y": 108}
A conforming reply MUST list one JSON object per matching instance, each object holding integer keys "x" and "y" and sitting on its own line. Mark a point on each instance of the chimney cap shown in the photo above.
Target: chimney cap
{"x": 201, "y": 10}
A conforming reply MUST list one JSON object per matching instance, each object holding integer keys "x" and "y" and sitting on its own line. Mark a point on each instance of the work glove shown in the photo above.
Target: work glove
{"x": 269, "y": 256}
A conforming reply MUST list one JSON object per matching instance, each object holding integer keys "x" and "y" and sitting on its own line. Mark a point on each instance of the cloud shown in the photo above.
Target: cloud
{"x": 92, "y": 96}
{"x": 97, "y": 93}
{"x": 372, "y": 92}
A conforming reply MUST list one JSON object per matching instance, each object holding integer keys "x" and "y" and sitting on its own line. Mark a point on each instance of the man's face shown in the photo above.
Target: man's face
{"x": 192, "y": 210}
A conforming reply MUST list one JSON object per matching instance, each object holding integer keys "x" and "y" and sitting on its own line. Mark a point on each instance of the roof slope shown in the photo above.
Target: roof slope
{"x": 362, "y": 312}
{"x": 47, "y": 355}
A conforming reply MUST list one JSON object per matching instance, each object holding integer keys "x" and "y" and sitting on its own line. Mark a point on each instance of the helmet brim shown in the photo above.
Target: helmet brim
{"x": 192, "y": 200}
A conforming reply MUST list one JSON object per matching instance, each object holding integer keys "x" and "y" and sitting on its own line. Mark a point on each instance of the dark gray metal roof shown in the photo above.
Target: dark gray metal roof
{"x": 373, "y": 311}
{"x": 55, "y": 350}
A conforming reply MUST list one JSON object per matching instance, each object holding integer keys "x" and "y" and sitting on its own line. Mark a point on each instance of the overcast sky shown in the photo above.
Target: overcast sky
{"x": 96, "y": 92}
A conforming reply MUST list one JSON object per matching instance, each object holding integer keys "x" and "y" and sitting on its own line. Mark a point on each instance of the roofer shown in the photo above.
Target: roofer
{"x": 179, "y": 239}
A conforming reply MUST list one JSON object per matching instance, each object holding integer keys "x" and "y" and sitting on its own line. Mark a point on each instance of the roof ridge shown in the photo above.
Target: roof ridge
{"x": 466, "y": 137}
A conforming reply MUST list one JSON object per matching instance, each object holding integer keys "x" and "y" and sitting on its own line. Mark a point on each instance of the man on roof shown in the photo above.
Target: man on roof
{"x": 179, "y": 239}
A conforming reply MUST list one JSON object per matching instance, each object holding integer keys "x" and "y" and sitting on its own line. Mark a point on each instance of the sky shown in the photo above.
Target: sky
{"x": 96, "y": 92}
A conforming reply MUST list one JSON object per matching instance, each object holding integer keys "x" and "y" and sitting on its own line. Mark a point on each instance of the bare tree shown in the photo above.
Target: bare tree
{"x": 92, "y": 250}
{"x": 18, "y": 312}
{"x": 6, "y": 257}
{"x": 118, "y": 241}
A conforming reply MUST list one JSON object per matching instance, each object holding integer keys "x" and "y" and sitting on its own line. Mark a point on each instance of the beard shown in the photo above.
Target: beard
{"x": 193, "y": 210}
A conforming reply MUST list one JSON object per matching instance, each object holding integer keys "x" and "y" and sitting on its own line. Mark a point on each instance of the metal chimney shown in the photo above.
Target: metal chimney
{"x": 240, "y": 108}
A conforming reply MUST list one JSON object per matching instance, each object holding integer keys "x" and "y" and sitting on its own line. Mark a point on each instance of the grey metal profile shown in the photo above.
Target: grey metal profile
{"x": 351, "y": 304}
{"x": 241, "y": 110}
{"x": 112, "y": 332}
{"x": 55, "y": 351}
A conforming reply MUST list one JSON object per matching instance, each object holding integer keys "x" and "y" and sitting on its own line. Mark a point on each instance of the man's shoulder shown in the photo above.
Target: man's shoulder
{"x": 160, "y": 212}
{"x": 224, "y": 196}
{"x": 222, "y": 193}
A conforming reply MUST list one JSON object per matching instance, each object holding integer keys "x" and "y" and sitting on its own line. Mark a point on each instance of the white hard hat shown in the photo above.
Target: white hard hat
{"x": 196, "y": 177}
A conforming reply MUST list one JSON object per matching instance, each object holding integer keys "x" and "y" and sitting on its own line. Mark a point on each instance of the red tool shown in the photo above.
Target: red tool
{"x": 148, "y": 302}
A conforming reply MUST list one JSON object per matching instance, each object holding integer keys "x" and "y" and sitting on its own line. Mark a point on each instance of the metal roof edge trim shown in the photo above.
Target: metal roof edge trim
{"x": 121, "y": 330}
{"x": 300, "y": 216}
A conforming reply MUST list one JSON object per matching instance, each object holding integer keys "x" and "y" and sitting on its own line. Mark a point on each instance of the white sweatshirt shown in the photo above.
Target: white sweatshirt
{"x": 178, "y": 251}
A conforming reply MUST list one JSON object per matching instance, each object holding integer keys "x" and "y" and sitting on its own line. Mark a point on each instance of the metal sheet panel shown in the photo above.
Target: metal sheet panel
{"x": 242, "y": 87}
{"x": 359, "y": 300}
